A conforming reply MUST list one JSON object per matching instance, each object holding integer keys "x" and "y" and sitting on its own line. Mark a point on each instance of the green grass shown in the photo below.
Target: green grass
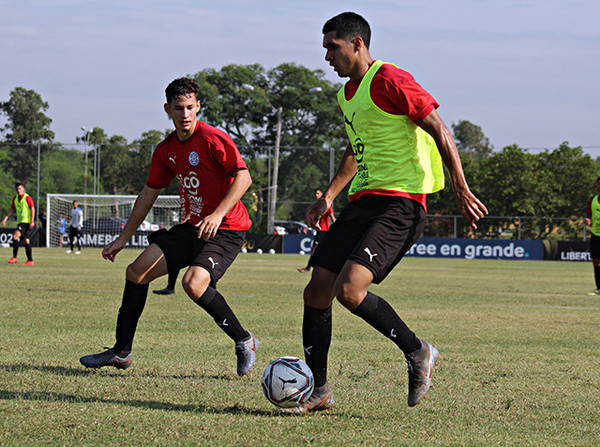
{"x": 520, "y": 342}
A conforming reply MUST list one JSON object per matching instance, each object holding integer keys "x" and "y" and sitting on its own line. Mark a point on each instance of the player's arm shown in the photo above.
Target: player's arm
{"x": 470, "y": 206}
{"x": 32, "y": 223}
{"x": 10, "y": 213}
{"x": 141, "y": 208}
{"x": 207, "y": 227}
{"x": 344, "y": 174}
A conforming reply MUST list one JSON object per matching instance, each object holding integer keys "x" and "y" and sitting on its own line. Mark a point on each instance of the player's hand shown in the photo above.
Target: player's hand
{"x": 470, "y": 207}
{"x": 208, "y": 227}
{"x": 110, "y": 251}
{"x": 587, "y": 221}
{"x": 31, "y": 224}
{"x": 314, "y": 213}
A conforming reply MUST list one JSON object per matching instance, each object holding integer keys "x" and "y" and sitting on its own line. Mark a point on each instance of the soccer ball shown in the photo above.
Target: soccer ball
{"x": 259, "y": 251}
{"x": 287, "y": 382}
{"x": 272, "y": 251}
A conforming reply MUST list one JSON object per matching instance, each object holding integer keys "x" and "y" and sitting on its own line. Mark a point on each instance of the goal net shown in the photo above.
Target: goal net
{"x": 105, "y": 216}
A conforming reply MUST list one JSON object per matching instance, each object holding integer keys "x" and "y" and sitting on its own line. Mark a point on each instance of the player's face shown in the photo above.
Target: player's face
{"x": 75, "y": 205}
{"x": 318, "y": 194}
{"x": 341, "y": 54}
{"x": 20, "y": 190}
{"x": 183, "y": 111}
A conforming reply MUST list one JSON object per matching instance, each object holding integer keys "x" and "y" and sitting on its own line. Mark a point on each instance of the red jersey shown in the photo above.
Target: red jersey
{"x": 324, "y": 220}
{"x": 205, "y": 165}
{"x": 395, "y": 91}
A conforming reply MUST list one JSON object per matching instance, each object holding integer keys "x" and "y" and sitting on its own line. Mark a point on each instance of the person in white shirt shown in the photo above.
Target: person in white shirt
{"x": 75, "y": 227}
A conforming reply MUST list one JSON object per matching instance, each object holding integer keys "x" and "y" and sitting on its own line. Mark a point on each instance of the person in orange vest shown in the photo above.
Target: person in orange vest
{"x": 23, "y": 205}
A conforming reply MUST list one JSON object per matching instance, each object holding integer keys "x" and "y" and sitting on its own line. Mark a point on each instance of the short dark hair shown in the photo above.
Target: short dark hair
{"x": 348, "y": 25}
{"x": 182, "y": 87}
{"x": 19, "y": 184}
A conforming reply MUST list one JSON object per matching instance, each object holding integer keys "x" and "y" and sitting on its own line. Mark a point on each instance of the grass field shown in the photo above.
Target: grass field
{"x": 520, "y": 342}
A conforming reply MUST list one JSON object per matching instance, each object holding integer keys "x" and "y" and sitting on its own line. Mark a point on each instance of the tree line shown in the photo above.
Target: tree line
{"x": 244, "y": 100}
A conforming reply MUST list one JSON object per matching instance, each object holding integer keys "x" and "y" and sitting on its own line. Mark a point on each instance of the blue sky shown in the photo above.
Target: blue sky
{"x": 527, "y": 72}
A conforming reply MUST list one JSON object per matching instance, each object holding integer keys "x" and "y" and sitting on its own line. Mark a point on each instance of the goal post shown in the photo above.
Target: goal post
{"x": 104, "y": 216}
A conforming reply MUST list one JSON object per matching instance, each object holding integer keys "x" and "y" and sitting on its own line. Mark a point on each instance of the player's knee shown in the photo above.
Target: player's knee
{"x": 194, "y": 286}
{"x": 133, "y": 275}
{"x": 317, "y": 297}
{"x": 348, "y": 295}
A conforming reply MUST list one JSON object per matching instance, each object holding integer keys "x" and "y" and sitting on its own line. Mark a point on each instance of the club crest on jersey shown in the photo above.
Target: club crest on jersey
{"x": 193, "y": 158}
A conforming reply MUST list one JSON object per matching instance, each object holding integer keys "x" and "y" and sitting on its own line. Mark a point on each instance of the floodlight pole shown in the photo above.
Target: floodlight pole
{"x": 271, "y": 217}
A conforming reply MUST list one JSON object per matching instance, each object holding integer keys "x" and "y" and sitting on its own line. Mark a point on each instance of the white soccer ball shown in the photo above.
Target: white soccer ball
{"x": 244, "y": 250}
{"x": 259, "y": 251}
{"x": 287, "y": 382}
{"x": 272, "y": 251}
{"x": 302, "y": 252}
{"x": 5, "y": 245}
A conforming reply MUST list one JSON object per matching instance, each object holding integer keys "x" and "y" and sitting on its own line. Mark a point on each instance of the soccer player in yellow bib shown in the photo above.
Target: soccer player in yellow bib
{"x": 593, "y": 219}
{"x": 398, "y": 143}
{"x": 23, "y": 205}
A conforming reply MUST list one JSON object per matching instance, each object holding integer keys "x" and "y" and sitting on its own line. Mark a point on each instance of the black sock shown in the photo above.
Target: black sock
{"x": 78, "y": 243}
{"x": 28, "y": 252}
{"x": 15, "y": 247}
{"x": 216, "y": 306}
{"x": 316, "y": 339}
{"x": 596, "y": 276}
{"x": 71, "y": 241}
{"x": 172, "y": 280}
{"x": 134, "y": 300}
{"x": 379, "y": 314}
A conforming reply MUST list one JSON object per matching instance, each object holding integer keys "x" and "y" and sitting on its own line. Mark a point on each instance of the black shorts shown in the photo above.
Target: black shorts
{"x": 375, "y": 232}
{"x": 74, "y": 232}
{"x": 24, "y": 228}
{"x": 319, "y": 237}
{"x": 183, "y": 248}
{"x": 595, "y": 246}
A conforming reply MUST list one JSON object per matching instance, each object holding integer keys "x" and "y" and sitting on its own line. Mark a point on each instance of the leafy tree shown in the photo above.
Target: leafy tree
{"x": 27, "y": 127}
{"x": 244, "y": 101}
{"x": 471, "y": 140}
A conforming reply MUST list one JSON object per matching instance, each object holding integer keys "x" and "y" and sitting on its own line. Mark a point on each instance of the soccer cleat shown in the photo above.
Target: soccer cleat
{"x": 69, "y": 251}
{"x": 245, "y": 351}
{"x": 165, "y": 291}
{"x": 594, "y": 293}
{"x": 420, "y": 369}
{"x": 28, "y": 263}
{"x": 304, "y": 270}
{"x": 12, "y": 260}
{"x": 321, "y": 399}
{"x": 106, "y": 358}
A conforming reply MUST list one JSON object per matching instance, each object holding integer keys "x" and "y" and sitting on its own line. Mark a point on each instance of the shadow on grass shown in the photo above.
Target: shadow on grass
{"x": 47, "y": 396}
{"x": 67, "y": 371}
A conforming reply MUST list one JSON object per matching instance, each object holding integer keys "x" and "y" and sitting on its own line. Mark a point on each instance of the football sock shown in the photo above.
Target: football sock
{"x": 596, "y": 276}
{"x": 216, "y": 306}
{"x": 316, "y": 339}
{"x": 134, "y": 300}
{"x": 15, "y": 247}
{"x": 379, "y": 314}
{"x": 28, "y": 252}
{"x": 172, "y": 280}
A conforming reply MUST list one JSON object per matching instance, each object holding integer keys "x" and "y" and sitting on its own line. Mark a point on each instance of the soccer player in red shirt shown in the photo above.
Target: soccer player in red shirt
{"x": 23, "y": 205}
{"x": 398, "y": 144}
{"x": 212, "y": 178}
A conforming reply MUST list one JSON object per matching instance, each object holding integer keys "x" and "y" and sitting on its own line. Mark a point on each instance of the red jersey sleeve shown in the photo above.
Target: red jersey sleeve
{"x": 12, "y": 204}
{"x": 589, "y": 207}
{"x": 160, "y": 175}
{"x": 395, "y": 91}
{"x": 30, "y": 202}
{"x": 226, "y": 154}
